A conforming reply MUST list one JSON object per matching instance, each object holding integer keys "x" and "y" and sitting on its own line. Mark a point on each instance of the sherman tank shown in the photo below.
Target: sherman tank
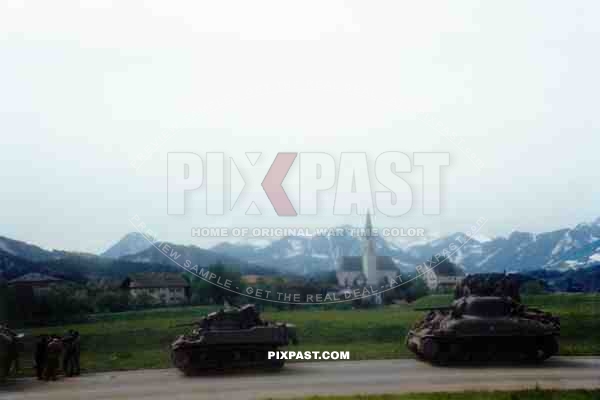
{"x": 231, "y": 338}
{"x": 485, "y": 323}
{"x": 9, "y": 351}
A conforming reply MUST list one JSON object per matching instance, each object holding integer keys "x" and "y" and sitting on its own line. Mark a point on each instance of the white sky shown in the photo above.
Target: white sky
{"x": 84, "y": 90}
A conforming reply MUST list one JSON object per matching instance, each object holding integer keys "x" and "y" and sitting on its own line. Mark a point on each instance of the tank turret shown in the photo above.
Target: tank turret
{"x": 231, "y": 338}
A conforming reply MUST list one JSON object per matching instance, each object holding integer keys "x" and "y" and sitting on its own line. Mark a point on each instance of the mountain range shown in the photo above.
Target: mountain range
{"x": 521, "y": 251}
{"x": 560, "y": 250}
{"x": 132, "y": 254}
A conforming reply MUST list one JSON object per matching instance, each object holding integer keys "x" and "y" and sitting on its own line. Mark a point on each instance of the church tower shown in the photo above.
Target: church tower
{"x": 369, "y": 257}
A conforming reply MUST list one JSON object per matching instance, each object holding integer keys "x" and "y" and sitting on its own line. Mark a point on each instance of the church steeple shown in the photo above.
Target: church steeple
{"x": 369, "y": 257}
{"x": 368, "y": 224}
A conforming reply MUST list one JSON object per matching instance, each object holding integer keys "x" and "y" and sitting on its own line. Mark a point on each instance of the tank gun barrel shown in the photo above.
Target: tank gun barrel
{"x": 186, "y": 325}
{"x": 441, "y": 308}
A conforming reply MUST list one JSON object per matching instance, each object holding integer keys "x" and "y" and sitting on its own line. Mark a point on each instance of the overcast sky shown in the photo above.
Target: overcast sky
{"x": 84, "y": 90}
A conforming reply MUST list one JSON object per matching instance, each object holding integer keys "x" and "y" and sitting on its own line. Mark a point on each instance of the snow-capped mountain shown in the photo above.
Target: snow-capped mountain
{"x": 520, "y": 251}
{"x": 132, "y": 243}
{"x": 313, "y": 254}
{"x": 564, "y": 249}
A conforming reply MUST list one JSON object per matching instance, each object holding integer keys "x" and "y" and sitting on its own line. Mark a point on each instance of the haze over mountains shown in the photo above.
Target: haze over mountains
{"x": 18, "y": 258}
{"x": 520, "y": 251}
{"x": 569, "y": 248}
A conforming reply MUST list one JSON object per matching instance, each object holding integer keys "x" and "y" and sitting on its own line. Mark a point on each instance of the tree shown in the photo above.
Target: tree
{"x": 533, "y": 287}
{"x": 416, "y": 290}
{"x": 112, "y": 301}
{"x": 203, "y": 292}
{"x": 8, "y": 303}
{"x": 62, "y": 302}
{"x": 142, "y": 300}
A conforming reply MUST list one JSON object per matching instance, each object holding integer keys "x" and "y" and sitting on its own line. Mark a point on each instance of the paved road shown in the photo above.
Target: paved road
{"x": 384, "y": 376}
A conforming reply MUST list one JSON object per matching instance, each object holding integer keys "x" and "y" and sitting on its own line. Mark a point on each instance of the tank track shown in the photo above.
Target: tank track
{"x": 197, "y": 359}
{"x": 484, "y": 349}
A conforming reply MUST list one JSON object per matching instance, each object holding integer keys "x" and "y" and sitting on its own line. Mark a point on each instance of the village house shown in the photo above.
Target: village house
{"x": 164, "y": 287}
{"x": 34, "y": 283}
{"x": 255, "y": 279}
{"x": 30, "y": 286}
{"x": 442, "y": 276}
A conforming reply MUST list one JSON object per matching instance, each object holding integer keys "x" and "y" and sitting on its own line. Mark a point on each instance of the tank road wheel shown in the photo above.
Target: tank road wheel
{"x": 490, "y": 352}
{"x": 535, "y": 355}
{"x": 443, "y": 358}
{"x": 270, "y": 364}
{"x": 275, "y": 365}
{"x": 436, "y": 352}
{"x": 179, "y": 359}
{"x": 430, "y": 349}
{"x": 4, "y": 369}
{"x": 456, "y": 351}
{"x": 548, "y": 346}
{"x": 544, "y": 348}
{"x": 190, "y": 362}
{"x": 222, "y": 360}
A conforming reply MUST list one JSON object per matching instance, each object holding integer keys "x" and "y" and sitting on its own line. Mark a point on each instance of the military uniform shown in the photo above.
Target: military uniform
{"x": 10, "y": 345}
{"x": 72, "y": 350}
{"x": 54, "y": 350}
{"x": 41, "y": 349}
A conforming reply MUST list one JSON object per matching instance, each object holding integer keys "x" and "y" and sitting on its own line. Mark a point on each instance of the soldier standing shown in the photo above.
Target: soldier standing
{"x": 54, "y": 349}
{"x": 9, "y": 344}
{"x": 72, "y": 350}
{"x": 41, "y": 350}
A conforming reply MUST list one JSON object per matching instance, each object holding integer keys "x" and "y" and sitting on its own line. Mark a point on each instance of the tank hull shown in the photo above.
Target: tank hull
{"x": 196, "y": 359}
{"x": 225, "y": 341}
{"x": 443, "y": 350}
{"x": 484, "y": 328}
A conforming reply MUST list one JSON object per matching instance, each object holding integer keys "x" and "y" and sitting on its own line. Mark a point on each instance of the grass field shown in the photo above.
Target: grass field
{"x": 134, "y": 340}
{"x": 511, "y": 395}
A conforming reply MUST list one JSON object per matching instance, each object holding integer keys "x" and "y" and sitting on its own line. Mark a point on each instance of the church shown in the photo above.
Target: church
{"x": 368, "y": 269}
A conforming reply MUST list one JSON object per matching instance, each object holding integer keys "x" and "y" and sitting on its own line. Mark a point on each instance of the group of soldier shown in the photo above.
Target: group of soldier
{"x": 492, "y": 284}
{"x": 50, "y": 350}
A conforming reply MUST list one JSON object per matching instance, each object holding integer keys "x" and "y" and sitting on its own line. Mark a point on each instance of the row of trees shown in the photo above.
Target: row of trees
{"x": 68, "y": 302}
{"x": 60, "y": 303}
{"x": 73, "y": 301}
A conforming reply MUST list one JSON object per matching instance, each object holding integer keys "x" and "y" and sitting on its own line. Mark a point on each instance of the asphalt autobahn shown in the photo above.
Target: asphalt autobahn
{"x": 299, "y": 379}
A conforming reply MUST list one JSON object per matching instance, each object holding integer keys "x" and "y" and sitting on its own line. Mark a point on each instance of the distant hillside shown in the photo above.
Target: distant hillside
{"x": 12, "y": 266}
{"x": 579, "y": 280}
{"x": 18, "y": 258}
{"x": 76, "y": 268}
{"x": 132, "y": 243}
{"x": 26, "y": 251}
{"x": 197, "y": 256}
